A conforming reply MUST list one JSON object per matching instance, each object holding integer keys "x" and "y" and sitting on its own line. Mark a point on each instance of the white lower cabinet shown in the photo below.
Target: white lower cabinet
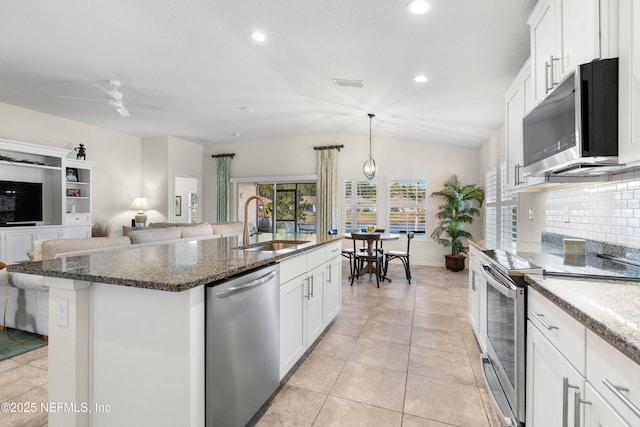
{"x": 314, "y": 304}
{"x": 293, "y": 336}
{"x": 574, "y": 377}
{"x": 309, "y": 299}
{"x": 16, "y": 244}
{"x": 79, "y": 232}
{"x": 598, "y": 413}
{"x": 477, "y": 297}
{"x": 552, "y": 383}
{"x": 333, "y": 282}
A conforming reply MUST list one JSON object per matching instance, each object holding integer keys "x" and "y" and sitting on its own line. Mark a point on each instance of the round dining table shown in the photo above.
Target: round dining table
{"x": 370, "y": 268}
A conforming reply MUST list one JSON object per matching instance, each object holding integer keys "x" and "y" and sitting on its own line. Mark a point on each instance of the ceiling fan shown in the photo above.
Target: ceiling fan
{"x": 114, "y": 99}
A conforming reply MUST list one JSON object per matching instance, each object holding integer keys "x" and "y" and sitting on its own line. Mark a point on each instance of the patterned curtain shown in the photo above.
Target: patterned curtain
{"x": 222, "y": 212}
{"x": 327, "y": 190}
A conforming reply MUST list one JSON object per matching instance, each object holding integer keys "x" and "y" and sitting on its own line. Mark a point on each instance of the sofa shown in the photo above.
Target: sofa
{"x": 27, "y": 297}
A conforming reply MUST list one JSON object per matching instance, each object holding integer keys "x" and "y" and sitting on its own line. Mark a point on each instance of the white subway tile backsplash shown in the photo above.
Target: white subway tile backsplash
{"x": 608, "y": 211}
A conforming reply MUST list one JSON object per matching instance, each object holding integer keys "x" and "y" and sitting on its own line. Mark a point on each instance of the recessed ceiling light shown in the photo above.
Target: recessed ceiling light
{"x": 235, "y": 135}
{"x": 258, "y": 36}
{"x": 418, "y": 7}
{"x": 247, "y": 109}
{"x": 420, "y": 78}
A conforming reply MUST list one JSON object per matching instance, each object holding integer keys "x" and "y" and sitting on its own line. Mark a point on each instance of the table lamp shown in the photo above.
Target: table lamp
{"x": 141, "y": 204}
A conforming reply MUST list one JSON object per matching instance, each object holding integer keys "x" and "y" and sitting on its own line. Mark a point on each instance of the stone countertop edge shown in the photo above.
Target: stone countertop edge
{"x": 599, "y": 327}
{"x": 173, "y": 281}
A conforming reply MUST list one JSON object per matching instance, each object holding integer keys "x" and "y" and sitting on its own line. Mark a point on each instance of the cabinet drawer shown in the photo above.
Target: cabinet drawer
{"x": 562, "y": 330}
{"x": 292, "y": 267}
{"x": 332, "y": 250}
{"x": 77, "y": 218}
{"x": 610, "y": 372}
{"x": 316, "y": 258}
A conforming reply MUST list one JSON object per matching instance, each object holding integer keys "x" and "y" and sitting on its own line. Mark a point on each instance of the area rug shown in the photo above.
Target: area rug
{"x": 20, "y": 342}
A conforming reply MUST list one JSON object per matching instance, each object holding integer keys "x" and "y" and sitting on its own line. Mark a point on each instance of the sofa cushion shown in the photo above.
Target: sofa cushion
{"x": 52, "y": 247}
{"x": 157, "y": 235}
{"x": 198, "y": 230}
{"x": 228, "y": 228}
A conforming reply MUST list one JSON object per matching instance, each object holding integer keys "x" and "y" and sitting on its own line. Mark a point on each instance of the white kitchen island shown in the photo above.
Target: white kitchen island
{"x": 127, "y": 329}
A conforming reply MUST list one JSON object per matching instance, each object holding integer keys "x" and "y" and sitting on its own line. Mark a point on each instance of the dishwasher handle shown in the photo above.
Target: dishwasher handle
{"x": 247, "y": 286}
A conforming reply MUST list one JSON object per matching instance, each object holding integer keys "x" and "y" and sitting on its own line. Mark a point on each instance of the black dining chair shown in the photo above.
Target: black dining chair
{"x": 402, "y": 256}
{"x": 372, "y": 256}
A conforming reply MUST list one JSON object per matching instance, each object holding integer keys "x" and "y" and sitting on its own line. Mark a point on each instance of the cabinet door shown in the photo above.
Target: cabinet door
{"x": 293, "y": 341}
{"x": 551, "y": 383}
{"x": 474, "y": 297}
{"x": 315, "y": 303}
{"x": 514, "y": 109}
{"x": 597, "y": 412}
{"x": 49, "y": 233}
{"x": 332, "y": 289}
{"x": 77, "y": 232}
{"x": 629, "y": 83}
{"x": 543, "y": 47}
{"x": 580, "y": 33}
{"x": 17, "y": 244}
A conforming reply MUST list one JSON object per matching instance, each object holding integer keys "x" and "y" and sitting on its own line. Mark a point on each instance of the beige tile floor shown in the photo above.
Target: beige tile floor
{"x": 24, "y": 379}
{"x": 401, "y": 355}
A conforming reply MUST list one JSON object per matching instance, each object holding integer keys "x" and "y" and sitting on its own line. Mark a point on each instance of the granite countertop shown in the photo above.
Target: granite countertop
{"x": 608, "y": 308}
{"x": 172, "y": 267}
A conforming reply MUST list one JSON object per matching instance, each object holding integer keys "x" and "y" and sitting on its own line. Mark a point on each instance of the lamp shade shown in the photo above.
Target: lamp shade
{"x": 140, "y": 204}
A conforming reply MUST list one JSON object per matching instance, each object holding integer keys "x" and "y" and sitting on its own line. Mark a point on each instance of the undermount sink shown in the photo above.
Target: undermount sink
{"x": 274, "y": 245}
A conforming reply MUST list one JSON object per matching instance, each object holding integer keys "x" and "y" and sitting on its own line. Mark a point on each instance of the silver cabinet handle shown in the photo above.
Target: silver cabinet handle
{"x": 616, "y": 389}
{"x": 308, "y": 296}
{"x": 545, "y": 324}
{"x": 576, "y": 408}
{"x": 311, "y": 286}
{"x": 253, "y": 284}
{"x": 329, "y": 279}
{"x": 546, "y": 78}
{"x": 565, "y": 400}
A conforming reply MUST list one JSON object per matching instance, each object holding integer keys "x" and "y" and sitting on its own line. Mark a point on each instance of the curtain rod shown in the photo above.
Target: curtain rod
{"x": 232, "y": 155}
{"x": 329, "y": 147}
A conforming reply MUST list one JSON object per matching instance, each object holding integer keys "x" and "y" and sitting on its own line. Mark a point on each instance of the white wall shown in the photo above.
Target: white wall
{"x": 116, "y": 178}
{"x": 395, "y": 158}
{"x": 165, "y": 158}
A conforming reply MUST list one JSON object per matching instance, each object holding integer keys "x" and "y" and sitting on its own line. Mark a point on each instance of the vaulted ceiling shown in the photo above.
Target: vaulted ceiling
{"x": 197, "y": 61}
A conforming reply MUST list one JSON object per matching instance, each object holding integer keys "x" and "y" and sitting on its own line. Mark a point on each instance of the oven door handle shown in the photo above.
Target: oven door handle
{"x": 505, "y": 289}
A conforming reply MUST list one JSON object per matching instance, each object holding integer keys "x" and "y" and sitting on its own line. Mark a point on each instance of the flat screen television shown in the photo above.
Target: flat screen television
{"x": 20, "y": 202}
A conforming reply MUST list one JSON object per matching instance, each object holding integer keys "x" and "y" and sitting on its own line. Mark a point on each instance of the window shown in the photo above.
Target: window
{"x": 491, "y": 219}
{"x": 501, "y": 214}
{"x": 407, "y": 205}
{"x": 360, "y": 204}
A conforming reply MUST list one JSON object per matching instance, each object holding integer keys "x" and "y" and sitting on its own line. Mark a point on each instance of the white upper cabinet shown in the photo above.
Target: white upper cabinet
{"x": 518, "y": 102}
{"x": 544, "y": 47}
{"x": 629, "y": 89}
{"x": 567, "y": 33}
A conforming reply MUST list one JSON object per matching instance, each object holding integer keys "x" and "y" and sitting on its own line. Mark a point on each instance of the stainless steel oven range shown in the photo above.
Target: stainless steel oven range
{"x": 503, "y": 363}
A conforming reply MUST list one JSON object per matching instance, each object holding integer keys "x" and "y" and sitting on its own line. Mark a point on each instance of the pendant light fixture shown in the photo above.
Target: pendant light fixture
{"x": 369, "y": 167}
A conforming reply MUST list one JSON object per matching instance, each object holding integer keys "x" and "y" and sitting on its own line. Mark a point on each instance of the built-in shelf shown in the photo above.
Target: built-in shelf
{"x": 29, "y": 165}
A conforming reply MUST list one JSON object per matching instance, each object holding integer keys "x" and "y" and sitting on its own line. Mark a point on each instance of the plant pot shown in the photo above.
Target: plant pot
{"x": 454, "y": 262}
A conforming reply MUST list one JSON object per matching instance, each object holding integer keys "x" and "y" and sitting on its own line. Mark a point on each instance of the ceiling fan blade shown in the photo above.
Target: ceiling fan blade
{"x": 122, "y": 110}
{"x": 79, "y": 98}
{"x": 146, "y": 106}
{"x": 119, "y": 107}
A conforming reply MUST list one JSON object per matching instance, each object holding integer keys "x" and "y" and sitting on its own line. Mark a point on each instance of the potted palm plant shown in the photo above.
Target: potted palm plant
{"x": 456, "y": 210}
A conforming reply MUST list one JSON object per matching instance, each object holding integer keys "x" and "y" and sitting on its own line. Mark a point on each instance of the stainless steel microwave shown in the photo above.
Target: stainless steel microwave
{"x": 576, "y": 126}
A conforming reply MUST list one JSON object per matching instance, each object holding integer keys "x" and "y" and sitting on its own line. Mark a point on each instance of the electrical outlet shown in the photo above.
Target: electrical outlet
{"x": 62, "y": 313}
{"x": 565, "y": 215}
{"x": 531, "y": 213}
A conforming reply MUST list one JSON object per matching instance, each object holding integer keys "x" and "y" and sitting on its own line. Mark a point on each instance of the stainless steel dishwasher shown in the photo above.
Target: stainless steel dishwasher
{"x": 242, "y": 346}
